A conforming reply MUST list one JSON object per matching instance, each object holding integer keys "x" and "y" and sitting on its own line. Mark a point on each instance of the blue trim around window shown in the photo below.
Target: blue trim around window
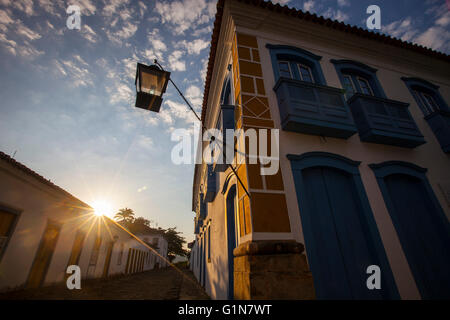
{"x": 325, "y": 159}
{"x": 294, "y": 54}
{"x": 438, "y": 120}
{"x": 385, "y": 169}
{"x": 355, "y": 68}
{"x": 425, "y": 86}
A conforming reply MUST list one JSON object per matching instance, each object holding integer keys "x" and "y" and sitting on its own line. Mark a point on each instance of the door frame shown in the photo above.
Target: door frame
{"x": 107, "y": 263}
{"x": 12, "y": 228}
{"x": 41, "y": 246}
{"x": 231, "y": 231}
{"x": 387, "y": 168}
{"x": 331, "y": 160}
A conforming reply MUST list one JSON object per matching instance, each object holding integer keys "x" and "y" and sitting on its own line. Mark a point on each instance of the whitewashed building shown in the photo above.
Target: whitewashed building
{"x": 159, "y": 243}
{"x": 364, "y": 167}
{"x": 44, "y": 229}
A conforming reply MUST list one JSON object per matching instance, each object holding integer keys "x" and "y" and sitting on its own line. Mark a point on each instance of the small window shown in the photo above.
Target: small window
{"x": 7, "y": 222}
{"x": 429, "y": 104}
{"x": 348, "y": 85}
{"x": 305, "y": 73}
{"x": 226, "y": 95}
{"x": 285, "y": 70}
{"x": 365, "y": 86}
{"x": 357, "y": 77}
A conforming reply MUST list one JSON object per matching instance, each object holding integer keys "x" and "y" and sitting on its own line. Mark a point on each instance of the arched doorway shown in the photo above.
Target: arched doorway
{"x": 421, "y": 225}
{"x": 341, "y": 236}
{"x": 231, "y": 237}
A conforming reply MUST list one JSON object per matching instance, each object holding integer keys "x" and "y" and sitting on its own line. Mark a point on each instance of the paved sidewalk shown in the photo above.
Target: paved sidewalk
{"x": 162, "y": 284}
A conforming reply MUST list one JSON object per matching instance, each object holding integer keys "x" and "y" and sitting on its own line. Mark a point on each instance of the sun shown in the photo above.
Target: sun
{"x": 102, "y": 208}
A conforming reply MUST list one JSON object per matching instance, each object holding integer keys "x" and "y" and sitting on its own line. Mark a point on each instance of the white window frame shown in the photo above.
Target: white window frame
{"x": 351, "y": 82}
{"x": 368, "y": 85}
{"x": 307, "y": 68}
{"x": 289, "y": 66}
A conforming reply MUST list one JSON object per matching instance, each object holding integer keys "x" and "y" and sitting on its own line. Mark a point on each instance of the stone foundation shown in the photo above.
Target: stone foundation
{"x": 268, "y": 269}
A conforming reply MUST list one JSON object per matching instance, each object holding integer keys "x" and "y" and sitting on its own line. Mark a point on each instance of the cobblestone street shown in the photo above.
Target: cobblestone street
{"x": 163, "y": 284}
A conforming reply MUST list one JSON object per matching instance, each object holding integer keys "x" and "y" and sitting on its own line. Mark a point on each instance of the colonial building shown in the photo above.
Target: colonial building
{"x": 363, "y": 186}
{"x": 158, "y": 242}
{"x": 44, "y": 229}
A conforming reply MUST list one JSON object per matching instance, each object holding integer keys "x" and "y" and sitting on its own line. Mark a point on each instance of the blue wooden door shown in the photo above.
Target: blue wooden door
{"x": 231, "y": 239}
{"x": 424, "y": 236}
{"x": 203, "y": 260}
{"x": 337, "y": 239}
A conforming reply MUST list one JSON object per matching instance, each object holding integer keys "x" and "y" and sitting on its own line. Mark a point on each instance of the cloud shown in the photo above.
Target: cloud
{"x": 185, "y": 14}
{"x": 145, "y": 142}
{"x": 21, "y": 45}
{"x": 175, "y": 63}
{"x": 88, "y": 33}
{"x": 127, "y": 31}
{"x": 435, "y": 37}
{"x": 195, "y": 46}
{"x": 142, "y": 8}
{"x": 200, "y": 31}
{"x": 444, "y": 20}
{"x": 26, "y": 6}
{"x": 195, "y": 96}
{"x": 8, "y": 44}
{"x": 28, "y": 51}
{"x": 281, "y": 2}
{"x": 26, "y": 32}
{"x": 5, "y": 18}
{"x": 180, "y": 111}
{"x": 112, "y": 7}
{"x": 336, "y": 14}
{"x": 157, "y": 46}
{"x": 308, "y": 5}
{"x": 204, "y": 69}
{"x": 86, "y": 6}
{"x": 120, "y": 93}
{"x": 402, "y": 29}
{"x": 54, "y": 7}
{"x": 75, "y": 70}
{"x": 343, "y": 3}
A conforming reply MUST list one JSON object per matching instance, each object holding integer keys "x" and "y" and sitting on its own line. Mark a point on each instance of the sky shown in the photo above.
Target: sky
{"x": 67, "y": 96}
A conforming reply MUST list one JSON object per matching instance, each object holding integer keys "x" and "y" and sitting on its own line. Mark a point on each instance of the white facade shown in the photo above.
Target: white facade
{"x": 159, "y": 258}
{"x": 392, "y": 63}
{"x": 41, "y": 225}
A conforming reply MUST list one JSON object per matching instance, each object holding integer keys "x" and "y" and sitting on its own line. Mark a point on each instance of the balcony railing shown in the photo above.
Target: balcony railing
{"x": 384, "y": 121}
{"x": 314, "y": 109}
{"x": 439, "y": 122}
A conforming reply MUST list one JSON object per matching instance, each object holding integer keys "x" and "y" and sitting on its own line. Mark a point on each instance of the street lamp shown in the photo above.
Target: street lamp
{"x": 151, "y": 83}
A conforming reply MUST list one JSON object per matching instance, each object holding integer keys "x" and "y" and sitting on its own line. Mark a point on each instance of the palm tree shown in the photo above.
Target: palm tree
{"x": 125, "y": 215}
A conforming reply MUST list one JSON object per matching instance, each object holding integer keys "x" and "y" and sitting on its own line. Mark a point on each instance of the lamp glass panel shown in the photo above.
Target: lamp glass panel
{"x": 152, "y": 82}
